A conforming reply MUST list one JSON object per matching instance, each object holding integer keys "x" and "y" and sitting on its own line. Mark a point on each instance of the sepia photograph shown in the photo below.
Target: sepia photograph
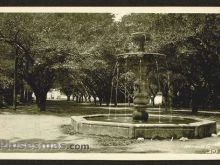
{"x": 110, "y": 81}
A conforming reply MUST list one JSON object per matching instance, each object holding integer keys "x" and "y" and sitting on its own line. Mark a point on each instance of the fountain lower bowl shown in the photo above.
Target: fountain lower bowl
{"x": 122, "y": 125}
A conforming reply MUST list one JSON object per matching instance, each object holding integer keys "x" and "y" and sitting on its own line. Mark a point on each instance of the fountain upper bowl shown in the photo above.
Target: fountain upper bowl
{"x": 138, "y": 55}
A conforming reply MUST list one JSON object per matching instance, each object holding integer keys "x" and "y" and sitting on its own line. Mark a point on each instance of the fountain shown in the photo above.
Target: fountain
{"x": 140, "y": 123}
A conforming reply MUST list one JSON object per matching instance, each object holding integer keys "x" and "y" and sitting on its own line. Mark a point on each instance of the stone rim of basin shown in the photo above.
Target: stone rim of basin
{"x": 200, "y": 129}
{"x": 197, "y": 120}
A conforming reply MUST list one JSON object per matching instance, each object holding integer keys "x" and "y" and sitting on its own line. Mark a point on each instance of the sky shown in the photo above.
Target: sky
{"x": 118, "y": 16}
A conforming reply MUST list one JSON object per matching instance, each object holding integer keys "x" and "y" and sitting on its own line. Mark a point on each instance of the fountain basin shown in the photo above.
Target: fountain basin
{"x": 195, "y": 128}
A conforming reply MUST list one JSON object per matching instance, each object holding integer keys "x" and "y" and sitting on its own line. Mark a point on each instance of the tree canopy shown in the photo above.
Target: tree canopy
{"x": 77, "y": 53}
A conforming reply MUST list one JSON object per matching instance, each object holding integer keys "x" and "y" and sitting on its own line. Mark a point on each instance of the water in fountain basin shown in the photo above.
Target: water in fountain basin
{"x": 152, "y": 120}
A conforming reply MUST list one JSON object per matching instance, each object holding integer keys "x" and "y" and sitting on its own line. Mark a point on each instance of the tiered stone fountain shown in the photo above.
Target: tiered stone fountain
{"x": 140, "y": 123}
{"x": 140, "y": 87}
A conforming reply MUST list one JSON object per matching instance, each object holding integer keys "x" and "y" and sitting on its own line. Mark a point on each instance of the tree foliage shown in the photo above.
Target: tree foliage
{"x": 77, "y": 52}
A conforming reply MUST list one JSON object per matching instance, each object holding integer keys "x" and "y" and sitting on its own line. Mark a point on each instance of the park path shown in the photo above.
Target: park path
{"x": 37, "y": 128}
{"x": 20, "y": 126}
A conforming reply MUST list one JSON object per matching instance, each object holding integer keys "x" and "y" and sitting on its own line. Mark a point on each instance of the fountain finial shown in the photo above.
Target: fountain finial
{"x": 139, "y": 38}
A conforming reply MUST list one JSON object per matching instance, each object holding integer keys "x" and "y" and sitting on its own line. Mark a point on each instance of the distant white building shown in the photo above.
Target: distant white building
{"x": 54, "y": 94}
{"x": 158, "y": 99}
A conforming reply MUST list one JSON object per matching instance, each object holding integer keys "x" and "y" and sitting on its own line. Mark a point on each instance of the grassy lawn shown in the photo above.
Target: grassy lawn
{"x": 64, "y": 108}
{"x": 70, "y": 108}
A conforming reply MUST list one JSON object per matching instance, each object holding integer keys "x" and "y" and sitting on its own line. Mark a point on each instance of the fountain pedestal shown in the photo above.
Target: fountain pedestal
{"x": 140, "y": 101}
{"x": 140, "y": 114}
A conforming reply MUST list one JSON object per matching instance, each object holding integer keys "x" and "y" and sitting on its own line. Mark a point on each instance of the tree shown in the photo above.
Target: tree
{"x": 202, "y": 53}
{"x": 45, "y": 41}
{"x": 6, "y": 74}
{"x": 37, "y": 61}
{"x": 85, "y": 46}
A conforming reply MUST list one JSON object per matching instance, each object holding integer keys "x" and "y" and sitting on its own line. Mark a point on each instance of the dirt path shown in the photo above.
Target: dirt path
{"x": 38, "y": 129}
{"x": 14, "y": 127}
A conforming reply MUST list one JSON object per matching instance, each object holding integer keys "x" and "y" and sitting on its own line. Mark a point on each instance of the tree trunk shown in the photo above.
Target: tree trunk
{"x": 29, "y": 96}
{"x": 22, "y": 94}
{"x": 116, "y": 102}
{"x": 195, "y": 101}
{"x": 153, "y": 101}
{"x": 194, "y": 109}
{"x": 41, "y": 101}
{"x": 100, "y": 101}
{"x": 26, "y": 96}
{"x": 89, "y": 98}
{"x": 95, "y": 101}
{"x": 68, "y": 97}
{"x": 107, "y": 103}
{"x": 86, "y": 99}
{"x": 1, "y": 100}
{"x": 15, "y": 80}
